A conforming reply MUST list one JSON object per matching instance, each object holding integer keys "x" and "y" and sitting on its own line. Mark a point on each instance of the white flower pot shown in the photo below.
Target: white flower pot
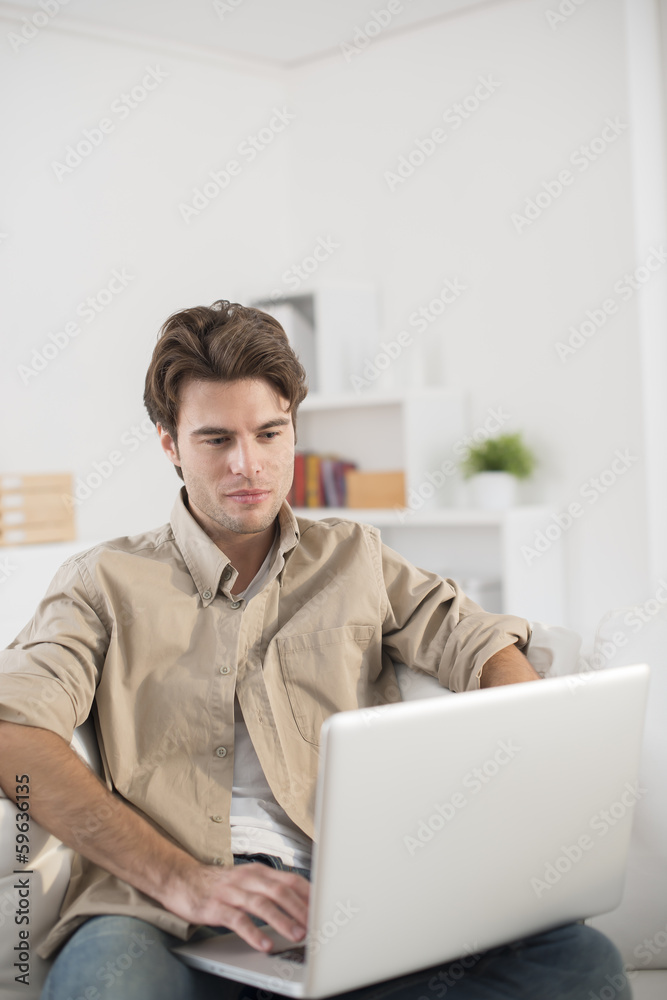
{"x": 493, "y": 490}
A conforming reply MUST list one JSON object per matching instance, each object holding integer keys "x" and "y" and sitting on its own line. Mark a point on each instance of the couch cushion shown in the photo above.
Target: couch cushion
{"x": 638, "y": 926}
{"x": 46, "y": 874}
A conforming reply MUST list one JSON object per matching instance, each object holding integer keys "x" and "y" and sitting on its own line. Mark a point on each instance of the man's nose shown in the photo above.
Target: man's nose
{"x": 245, "y": 459}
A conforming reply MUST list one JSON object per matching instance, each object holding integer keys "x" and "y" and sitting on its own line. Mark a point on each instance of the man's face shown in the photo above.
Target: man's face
{"x": 236, "y": 452}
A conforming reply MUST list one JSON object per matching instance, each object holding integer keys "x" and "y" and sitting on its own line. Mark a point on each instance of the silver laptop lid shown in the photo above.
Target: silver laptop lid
{"x": 452, "y": 825}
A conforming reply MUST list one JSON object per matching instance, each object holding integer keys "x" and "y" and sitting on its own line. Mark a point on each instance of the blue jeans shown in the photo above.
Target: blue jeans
{"x": 123, "y": 958}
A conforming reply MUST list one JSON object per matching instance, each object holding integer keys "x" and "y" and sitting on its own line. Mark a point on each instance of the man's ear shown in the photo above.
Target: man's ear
{"x": 169, "y": 446}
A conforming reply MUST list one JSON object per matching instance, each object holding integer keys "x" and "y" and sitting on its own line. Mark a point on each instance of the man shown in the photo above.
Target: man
{"x": 210, "y": 651}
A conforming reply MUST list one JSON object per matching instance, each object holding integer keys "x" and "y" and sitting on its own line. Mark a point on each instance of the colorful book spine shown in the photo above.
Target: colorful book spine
{"x": 299, "y": 485}
{"x": 314, "y": 496}
{"x": 319, "y": 481}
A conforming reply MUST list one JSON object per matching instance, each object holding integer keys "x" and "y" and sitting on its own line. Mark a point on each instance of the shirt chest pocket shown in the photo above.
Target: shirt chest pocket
{"x": 325, "y": 672}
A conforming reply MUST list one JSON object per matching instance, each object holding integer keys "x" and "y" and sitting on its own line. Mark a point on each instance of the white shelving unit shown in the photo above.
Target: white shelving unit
{"x": 333, "y": 329}
{"x": 415, "y": 431}
{"x": 418, "y": 431}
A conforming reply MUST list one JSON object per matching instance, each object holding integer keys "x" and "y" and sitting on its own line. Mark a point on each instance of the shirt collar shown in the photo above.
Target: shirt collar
{"x": 205, "y": 561}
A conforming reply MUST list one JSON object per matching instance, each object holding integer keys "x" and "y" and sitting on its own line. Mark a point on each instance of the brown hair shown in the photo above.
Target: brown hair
{"x": 221, "y": 343}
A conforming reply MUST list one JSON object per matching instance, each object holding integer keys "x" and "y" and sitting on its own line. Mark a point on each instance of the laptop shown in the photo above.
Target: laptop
{"x": 447, "y": 826}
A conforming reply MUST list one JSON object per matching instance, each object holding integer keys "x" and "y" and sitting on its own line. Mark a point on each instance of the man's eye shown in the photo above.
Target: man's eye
{"x": 215, "y": 440}
{"x": 271, "y": 434}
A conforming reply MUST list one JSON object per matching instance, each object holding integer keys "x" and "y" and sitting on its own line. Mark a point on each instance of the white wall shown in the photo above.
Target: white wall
{"x": 452, "y": 217}
{"x": 647, "y": 93}
{"x": 325, "y": 178}
{"x": 119, "y": 209}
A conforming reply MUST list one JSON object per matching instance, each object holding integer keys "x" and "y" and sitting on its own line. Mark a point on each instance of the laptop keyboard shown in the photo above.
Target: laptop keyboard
{"x": 296, "y": 954}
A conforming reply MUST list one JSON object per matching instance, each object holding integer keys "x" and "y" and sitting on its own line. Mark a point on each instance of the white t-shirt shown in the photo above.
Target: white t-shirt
{"x": 259, "y": 825}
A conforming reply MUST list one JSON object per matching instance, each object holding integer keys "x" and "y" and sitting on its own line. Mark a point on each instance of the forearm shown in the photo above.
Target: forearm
{"x": 507, "y": 666}
{"x": 68, "y": 800}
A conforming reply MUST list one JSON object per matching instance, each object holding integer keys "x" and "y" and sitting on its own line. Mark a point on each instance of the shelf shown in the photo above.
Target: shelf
{"x": 345, "y": 401}
{"x": 333, "y": 329}
{"x": 414, "y": 431}
{"x": 453, "y": 517}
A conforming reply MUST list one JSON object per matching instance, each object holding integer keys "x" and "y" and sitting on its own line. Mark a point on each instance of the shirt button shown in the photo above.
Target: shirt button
{"x": 217, "y": 819}
{"x": 217, "y": 861}
{"x": 207, "y": 595}
{"x": 235, "y": 604}
{"x": 224, "y": 670}
{"x": 227, "y": 573}
{"x": 221, "y": 751}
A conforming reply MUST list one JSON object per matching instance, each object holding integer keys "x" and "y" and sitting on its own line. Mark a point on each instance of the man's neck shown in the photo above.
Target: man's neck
{"x": 248, "y": 558}
{"x": 246, "y": 553}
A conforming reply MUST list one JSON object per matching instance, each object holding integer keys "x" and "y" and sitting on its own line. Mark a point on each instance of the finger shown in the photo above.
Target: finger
{"x": 278, "y": 898}
{"x": 287, "y": 890}
{"x": 235, "y": 913}
{"x": 287, "y": 914}
{"x": 239, "y": 922}
{"x": 268, "y": 874}
{"x": 292, "y": 928}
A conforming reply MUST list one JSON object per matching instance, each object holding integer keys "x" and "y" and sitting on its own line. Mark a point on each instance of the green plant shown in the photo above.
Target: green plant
{"x": 506, "y": 453}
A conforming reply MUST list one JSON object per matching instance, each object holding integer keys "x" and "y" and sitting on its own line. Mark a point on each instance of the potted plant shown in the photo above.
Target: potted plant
{"x": 494, "y": 466}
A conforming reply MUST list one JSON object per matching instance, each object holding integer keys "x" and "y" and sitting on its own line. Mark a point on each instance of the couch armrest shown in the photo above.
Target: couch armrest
{"x": 47, "y": 872}
{"x": 552, "y": 651}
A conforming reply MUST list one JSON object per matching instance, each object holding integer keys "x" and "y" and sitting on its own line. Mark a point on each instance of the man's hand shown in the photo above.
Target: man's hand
{"x": 226, "y": 897}
{"x": 507, "y": 666}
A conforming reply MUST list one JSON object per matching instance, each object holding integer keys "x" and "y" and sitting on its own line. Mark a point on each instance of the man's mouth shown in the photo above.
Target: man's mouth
{"x": 249, "y": 496}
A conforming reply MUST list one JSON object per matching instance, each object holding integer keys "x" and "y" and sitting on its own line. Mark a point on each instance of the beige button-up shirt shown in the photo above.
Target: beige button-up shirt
{"x": 146, "y": 630}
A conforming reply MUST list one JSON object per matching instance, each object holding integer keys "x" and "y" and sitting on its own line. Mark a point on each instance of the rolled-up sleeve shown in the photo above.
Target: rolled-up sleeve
{"x": 432, "y": 626}
{"x": 49, "y": 673}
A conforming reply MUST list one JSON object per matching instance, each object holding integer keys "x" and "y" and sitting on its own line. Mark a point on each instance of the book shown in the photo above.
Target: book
{"x": 319, "y": 480}
{"x": 314, "y": 497}
{"x": 299, "y": 485}
{"x": 375, "y": 489}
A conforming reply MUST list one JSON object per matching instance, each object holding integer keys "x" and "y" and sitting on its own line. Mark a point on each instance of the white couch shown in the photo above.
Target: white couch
{"x": 638, "y": 926}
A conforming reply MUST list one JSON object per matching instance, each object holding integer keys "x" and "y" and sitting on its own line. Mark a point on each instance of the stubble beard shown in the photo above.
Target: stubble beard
{"x": 239, "y": 524}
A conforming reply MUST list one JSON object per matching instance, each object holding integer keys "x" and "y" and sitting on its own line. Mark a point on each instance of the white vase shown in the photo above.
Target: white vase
{"x": 493, "y": 490}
